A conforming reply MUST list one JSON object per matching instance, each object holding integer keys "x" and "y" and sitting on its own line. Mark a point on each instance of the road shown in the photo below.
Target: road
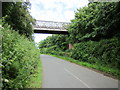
{"x": 58, "y": 73}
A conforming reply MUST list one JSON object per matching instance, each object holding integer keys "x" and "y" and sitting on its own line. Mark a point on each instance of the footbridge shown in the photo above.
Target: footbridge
{"x": 50, "y": 27}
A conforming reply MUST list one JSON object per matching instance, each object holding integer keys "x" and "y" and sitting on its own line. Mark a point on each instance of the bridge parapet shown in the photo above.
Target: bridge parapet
{"x": 51, "y": 25}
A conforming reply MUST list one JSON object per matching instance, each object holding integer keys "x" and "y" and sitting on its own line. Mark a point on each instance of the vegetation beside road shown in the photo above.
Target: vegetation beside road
{"x": 20, "y": 57}
{"x": 36, "y": 79}
{"x": 95, "y": 36}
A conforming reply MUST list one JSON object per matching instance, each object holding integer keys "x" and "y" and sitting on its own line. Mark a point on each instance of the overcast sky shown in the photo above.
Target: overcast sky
{"x": 54, "y": 10}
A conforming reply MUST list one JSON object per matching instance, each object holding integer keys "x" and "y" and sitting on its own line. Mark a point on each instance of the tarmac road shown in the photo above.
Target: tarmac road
{"x": 58, "y": 73}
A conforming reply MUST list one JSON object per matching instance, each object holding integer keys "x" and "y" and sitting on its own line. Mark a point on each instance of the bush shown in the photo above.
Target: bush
{"x": 20, "y": 58}
{"x": 54, "y": 50}
{"x": 105, "y": 52}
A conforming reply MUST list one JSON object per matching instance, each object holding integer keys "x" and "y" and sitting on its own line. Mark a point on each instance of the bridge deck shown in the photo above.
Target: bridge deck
{"x": 50, "y": 27}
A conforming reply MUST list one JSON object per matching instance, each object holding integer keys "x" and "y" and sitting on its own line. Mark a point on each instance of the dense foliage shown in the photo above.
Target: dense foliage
{"x": 104, "y": 52}
{"x": 18, "y": 16}
{"x": 95, "y": 22}
{"x": 54, "y": 43}
{"x": 20, "y": 58}
{"x": 94, "y": 34}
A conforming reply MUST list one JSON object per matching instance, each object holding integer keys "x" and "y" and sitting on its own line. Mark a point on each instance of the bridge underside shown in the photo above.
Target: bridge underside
{"x": 50, "y": 31}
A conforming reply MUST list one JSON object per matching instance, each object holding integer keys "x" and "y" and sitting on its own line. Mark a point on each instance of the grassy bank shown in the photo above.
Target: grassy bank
{"x": 36, "y": 80}
{"x": 104, "y": 70}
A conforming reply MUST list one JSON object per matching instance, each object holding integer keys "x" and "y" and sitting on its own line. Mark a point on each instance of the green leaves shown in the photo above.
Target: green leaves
{"x": 19, "y": 58}
{"x": 95, "y": 22}
{"x": 59, "y": 41}
{"x": 18, "y": 16}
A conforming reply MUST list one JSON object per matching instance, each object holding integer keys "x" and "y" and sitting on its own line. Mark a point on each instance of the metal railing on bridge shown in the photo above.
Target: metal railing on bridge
{"x": 50, "y": 27}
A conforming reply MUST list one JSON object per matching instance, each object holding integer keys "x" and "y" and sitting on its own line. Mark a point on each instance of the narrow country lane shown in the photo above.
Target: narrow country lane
{"x": 58, "y": 73}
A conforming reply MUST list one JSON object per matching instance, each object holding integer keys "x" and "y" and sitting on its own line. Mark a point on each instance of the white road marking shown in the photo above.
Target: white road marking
{"x": 77, "y": 78}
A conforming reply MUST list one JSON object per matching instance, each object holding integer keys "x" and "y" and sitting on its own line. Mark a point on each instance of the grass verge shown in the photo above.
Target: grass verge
{"x": 114, "y": 73}
{"x": 36, "y": 80}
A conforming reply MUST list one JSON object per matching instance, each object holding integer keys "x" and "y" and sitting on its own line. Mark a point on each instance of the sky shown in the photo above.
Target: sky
{"x": 54, "y": 10}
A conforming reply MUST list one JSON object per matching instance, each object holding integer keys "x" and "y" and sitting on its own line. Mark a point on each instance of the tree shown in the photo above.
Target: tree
{"x": 60, "y": 41}
{"x": 18, "y": 16}
{"x": 95, "y": 22}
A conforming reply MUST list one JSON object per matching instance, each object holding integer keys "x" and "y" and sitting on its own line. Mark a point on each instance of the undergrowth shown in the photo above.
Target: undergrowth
{"x": 20, "y": 58}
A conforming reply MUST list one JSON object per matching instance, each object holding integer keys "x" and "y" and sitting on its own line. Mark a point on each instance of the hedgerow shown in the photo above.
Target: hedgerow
{"x": 20, "y": 58}
{"x": 104, "y": 52}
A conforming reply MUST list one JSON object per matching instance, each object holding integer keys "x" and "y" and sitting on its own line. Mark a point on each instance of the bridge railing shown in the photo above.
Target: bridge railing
{"x": 51, "y": 25}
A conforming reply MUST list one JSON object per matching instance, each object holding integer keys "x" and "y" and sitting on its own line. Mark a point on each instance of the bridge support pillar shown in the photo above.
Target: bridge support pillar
{"x": 70, "y": 46}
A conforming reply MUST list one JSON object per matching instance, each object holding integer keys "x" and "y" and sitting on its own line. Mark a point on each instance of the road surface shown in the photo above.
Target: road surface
{"x": 58, "y": 73}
